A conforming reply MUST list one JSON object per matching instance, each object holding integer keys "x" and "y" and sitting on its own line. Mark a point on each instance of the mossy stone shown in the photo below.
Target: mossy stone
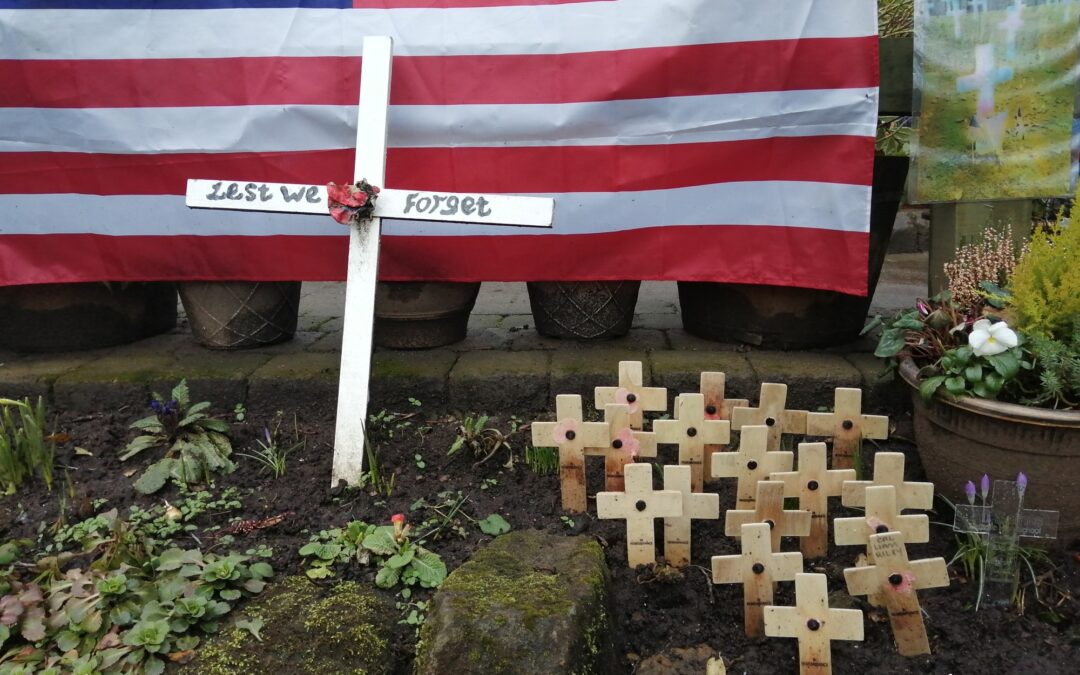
{"x": 308, "y": 629}
{"x": 528, "y": 603}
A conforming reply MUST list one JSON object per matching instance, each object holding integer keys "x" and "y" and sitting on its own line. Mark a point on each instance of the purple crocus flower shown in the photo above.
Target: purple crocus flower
{"x": 985, "y": 487}
{"x": 969, "y": 490}
{"x": 266, "y": 435}
{"x": 1021, "y": 483}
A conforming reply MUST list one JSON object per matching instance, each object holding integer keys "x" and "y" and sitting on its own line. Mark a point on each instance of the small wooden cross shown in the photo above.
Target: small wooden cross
{"x": 571, "y": 435}
{"x": 814, "y": 624}
{"x": 639, "y": 505}
{"x": 881, "y": 516}
{"x": 889, "y": 470}
{"x": 752, "y": 463}
{"x": 370, "y": 164}
{"x": 771, "y": 413}
{"x": 813, "y": 484}
{"x": 691, "y": 431}
{"x": 622, "y": 446}
{"x": 632, "y": 392}
{"x": 895, "y": 579}
{"x": 695, "y": 506}
{"x": 717, "y": 407}
{"x": 847, "y": 426}
{"x": 769, "y": 508}
{"x": 758, "y": 567}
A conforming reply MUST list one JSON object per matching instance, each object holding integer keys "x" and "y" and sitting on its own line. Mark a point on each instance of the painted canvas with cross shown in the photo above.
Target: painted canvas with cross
{"x": 369, "y": 166}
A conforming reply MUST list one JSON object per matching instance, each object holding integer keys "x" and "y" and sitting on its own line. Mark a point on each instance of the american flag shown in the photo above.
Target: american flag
{"x": 708, "y": 140}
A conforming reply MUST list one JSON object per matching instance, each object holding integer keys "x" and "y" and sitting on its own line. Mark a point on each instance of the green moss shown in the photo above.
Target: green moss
{"x": 308, "y": 630}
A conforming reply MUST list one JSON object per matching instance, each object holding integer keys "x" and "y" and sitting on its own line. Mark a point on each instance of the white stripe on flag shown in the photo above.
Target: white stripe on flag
{"x": 535, "y": 29}
{"x": 685, "y": 119}
{"x": 827, "y": 206}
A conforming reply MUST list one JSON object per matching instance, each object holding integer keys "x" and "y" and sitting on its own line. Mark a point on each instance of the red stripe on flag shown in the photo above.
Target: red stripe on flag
{"x": 658, "y": 72}
{"x": 827, "y": 159}
{"x": 767, "y": 255}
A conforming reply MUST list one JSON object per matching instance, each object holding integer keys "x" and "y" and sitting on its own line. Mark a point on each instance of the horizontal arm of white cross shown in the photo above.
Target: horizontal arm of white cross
{"x": 690, "y": 414}
{"x": 848, "y": 407}
{"x": 812, "y": 602}
{"x": 881, "y": 516}
{"x": 391, "y": 203}
{"x": 631, "y": 381}
{"x": 756, "y": 548}
{"x": 889, "y": 470}
{"x": 927, "y": 573}
{"x": 568, "y": 411}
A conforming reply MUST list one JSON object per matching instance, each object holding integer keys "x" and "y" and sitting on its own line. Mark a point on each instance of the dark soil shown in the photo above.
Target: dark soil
{"x": 653, "y": 614}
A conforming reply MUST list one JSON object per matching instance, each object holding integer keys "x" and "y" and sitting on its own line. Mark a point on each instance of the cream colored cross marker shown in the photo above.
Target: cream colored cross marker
{"x": 632, "y": 392}
{"x": 757, "y": 568}
{"x": 813, "y": 484}
{"x": 622, "y": 446}
{"x": 695, "y": 506}
{"x": 847, "y": 426}
{"x": 814, "y": 624}
{"x": 571, "y": 435}
{"x": 691, "y": 432}
{"x": 752, "y": 463}
{"x": 717, "y": 407}
{"x": 771, "y": 413}
{"x": 881, "y": 516}
{"x": 639, "y": 505}
{"x": 769, "y": 509}
{"x": 895, "y": 579}
{"x": 889, "y": 470}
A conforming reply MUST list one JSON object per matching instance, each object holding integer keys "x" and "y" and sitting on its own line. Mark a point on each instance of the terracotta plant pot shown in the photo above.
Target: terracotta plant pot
{"x": 73, "y": 317}
{"x": 778, "y": 317}
{"x": 241, "y": 314}
{"x": 422, "y": 314}
{"x": 960, "y": 440}
{"x": 583, "y": 310}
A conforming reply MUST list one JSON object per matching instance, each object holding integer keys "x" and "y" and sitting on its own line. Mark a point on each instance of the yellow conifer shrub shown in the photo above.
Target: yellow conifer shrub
{"x": 1045, "y": 285}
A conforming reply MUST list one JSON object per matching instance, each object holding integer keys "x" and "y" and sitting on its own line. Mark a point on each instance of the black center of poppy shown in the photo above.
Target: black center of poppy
{"x": 691, "y": 432}
{"x": 813, "y": 624}
{"x": 847, "y": 424}
{"x": 770, "y": 523}
{"x": 630, "y": 398}
{"x": 881, "y": 529}
{"x": 616, "y": 444}
{"x": 812, "y": 485}
{"x": 570, "y": 435}
{"x": 641, "y": 505}
{"x": 769, "y": 421}
{"x": 896, "y": 579}
{"x": 758, "y": 568}
{"x": 710, "y": 410}
{"x": 751, "y": 465}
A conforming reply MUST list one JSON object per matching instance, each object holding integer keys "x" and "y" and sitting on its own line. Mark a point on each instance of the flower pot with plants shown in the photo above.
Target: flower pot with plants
{"x": 993, "y": 365}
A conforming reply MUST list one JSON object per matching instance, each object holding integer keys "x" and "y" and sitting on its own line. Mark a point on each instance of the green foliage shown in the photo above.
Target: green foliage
{"x": 896, "y": 18}
{"x": 963, "y": 373}
{"x": 475, "y": 435}
{"x": 24, "y": 448}
{"x": 1056, "y": 380}
{"x": 1045, "y": 285}
{"x": 543, "y": 461}
{"x": 397, "y": 559}
{"x": 273, "y": 453}
{"x": 196, "y": 444}
{"x": 493, "y": 525}
{"x": 135, "y": 604}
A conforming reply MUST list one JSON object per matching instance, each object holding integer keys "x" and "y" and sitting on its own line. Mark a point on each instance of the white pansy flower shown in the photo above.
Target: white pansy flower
{"x": 987, "y": 338}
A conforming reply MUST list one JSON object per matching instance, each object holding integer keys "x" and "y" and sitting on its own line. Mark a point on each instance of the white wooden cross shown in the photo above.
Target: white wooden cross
{"x": 695, "y": 506}
{"x": 813, "y": 484}
{"x": 639, "y": 505}
{"x": 889, "y": 470}
{"x": 623, "y": 445}
{"x": 752, "y": 463}
{"x": 771, "y": 413}
{"x": 814, "y": 623}
{"x": 895, "y": 579}
{"x": 633, "y": 392}
{"x": 692, "y": 432}
{"x": 847, "y": 426}
{"x": 769, "y": 509}
{"x": 881, "y": 516}
{"x": 717, "y": 407}
{"x": 757, "y": 568}
{"x": 985, "y": 79}
{"x": 571, "y": 435}
{"x": 370, "y": 164}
